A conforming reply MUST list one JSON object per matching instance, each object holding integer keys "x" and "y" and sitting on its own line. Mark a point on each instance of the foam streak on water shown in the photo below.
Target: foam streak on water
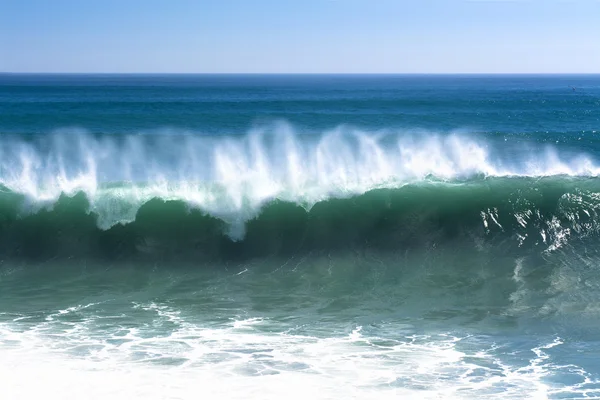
{"x": 232, "y": 177}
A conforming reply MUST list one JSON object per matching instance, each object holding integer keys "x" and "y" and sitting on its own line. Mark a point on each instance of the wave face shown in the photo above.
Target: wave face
{"x": 274, "y": 191}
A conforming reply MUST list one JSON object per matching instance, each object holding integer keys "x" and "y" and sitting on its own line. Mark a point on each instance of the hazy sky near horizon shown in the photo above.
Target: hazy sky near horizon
{"x": 312, "y": 36}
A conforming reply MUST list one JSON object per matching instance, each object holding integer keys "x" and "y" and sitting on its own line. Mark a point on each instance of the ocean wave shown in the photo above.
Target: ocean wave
{"x": 519, "y": 214}
{"x": 232, "y": 178}
{"x": 276, "y": 191}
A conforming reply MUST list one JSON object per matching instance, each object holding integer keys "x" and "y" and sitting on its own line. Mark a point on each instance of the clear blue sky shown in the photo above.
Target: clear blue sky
{"x": 388, "y": 36}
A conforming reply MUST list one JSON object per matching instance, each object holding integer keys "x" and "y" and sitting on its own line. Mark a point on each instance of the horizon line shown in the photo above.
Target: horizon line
{"x": 296, "y": 73}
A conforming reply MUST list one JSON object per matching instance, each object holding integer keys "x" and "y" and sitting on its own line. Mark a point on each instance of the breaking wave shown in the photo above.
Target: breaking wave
{"x": 275, "y": 191}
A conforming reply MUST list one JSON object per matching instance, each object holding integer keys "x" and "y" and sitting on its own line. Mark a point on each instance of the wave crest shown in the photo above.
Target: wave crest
{"x": 232, "y": 178}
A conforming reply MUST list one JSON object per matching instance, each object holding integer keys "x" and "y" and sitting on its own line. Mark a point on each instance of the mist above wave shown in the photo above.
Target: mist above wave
{"x": 232, "y": 177}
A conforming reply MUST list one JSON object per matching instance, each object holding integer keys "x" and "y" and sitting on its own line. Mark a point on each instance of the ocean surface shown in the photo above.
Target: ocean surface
{"x": 299, "y": 236}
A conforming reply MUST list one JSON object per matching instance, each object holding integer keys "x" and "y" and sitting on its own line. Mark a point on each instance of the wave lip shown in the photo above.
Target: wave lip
{"x": 232, "y": 178}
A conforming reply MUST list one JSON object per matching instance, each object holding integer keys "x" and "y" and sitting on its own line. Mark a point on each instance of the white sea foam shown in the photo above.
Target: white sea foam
{"x": 70, "y": 359}
{"x": 232, "y": 177}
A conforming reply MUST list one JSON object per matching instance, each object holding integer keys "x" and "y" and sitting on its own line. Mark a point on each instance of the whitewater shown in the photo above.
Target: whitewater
{"x": 233, "y": 177}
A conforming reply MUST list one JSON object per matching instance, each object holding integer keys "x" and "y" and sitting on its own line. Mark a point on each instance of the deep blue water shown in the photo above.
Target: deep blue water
{"x": 544, "y": 106}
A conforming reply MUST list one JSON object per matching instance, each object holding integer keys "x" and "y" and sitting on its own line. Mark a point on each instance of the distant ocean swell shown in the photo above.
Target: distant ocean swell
{"x": 277, "y": 193}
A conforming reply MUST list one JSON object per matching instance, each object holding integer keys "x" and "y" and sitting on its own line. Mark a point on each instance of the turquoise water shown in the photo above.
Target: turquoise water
{"x": 323, "y": 236}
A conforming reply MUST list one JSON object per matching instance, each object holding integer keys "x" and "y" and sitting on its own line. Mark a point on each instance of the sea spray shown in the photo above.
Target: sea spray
{"x": 232, "y": 178}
